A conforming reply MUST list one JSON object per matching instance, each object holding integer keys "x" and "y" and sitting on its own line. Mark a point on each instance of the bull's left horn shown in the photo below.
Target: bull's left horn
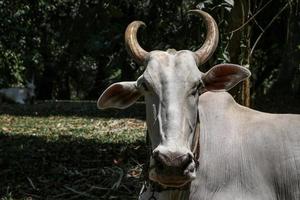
{"x": 212, "y": 38}
{"x": 131, "y": 43}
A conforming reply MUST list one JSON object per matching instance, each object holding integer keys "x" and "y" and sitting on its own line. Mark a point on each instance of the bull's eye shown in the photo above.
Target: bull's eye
{"x": 144, "y": 86}
{"x": 195, "y": 90}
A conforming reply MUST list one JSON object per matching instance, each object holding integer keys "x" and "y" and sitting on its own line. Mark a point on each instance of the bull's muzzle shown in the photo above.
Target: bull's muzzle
{"x": 172, "y": 168}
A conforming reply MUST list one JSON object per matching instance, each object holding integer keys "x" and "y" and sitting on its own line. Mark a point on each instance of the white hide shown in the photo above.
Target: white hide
{"x": 18, "y": 95}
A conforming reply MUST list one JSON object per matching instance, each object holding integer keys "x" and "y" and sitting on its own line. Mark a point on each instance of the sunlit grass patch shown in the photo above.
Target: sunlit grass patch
{"x": 123, "y": 130}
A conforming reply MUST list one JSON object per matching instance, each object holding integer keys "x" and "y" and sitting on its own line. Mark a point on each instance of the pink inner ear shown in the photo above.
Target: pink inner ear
{"x": 113, "y": 91}
{"x": 219, "y": 77}
{"x": 109, "y": 94}
{"x": 225, "y": 70}
{"x": 119, "y": 95}
{"x": 224, "y": 76}
{"x": 216, "y": 86}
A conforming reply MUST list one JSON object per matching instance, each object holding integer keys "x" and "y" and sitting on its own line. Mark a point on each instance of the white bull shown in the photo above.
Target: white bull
{"x": 205, "y": 145}
{"x": 18, "y": 94}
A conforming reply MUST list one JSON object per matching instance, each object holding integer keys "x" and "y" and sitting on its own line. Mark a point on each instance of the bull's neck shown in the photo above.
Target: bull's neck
{"x": 216, "y": 115}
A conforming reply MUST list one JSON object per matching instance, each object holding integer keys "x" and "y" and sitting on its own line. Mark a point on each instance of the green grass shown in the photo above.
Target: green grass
{"x": 125, "y": 130}
{"x": 62, "y": 150}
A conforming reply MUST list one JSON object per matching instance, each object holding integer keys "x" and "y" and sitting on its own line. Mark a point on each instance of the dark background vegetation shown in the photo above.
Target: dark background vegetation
{"x": 75, "y": 48}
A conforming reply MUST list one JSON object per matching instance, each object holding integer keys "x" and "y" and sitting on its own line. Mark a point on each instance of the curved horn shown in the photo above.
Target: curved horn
{"x": 131, "y": 43}
{"x": 212, "y": 38}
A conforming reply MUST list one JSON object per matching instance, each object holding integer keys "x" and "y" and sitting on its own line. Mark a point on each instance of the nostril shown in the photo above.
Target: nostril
{"x": 158, "y": 162}
{"x": 187, "y": 160}
{"x": 159, "y": 165}
{"x": 190, "y": 157}
{"x": 155, "y": 154}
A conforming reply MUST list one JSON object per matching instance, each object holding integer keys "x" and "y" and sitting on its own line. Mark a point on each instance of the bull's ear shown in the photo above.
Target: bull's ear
{"x": 119, "y": 95}
{"x": 223, "y": 77}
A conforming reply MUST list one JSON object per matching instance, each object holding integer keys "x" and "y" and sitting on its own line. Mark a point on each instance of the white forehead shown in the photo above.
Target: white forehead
{"x": 175, "y": 67}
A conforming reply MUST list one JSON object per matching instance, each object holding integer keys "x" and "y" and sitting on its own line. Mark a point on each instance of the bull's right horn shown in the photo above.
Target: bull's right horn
{"x": 212, "y": 38}
{"x": 131, "y": 43}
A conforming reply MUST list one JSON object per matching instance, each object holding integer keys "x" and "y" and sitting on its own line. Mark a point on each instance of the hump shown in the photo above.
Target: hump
{"x": 216, "y": 99}
{"x": 171, "y": 51}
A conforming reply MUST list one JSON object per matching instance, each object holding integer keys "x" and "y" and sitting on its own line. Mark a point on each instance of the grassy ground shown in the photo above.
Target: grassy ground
{"x": 70, "y": 150}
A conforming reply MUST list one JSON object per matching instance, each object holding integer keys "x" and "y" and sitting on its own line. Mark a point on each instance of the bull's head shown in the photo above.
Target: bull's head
{"x": 171, "y": 84}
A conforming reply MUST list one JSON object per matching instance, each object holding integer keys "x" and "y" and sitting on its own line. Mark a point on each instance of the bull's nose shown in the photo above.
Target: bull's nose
{"x": 176, "y": 160}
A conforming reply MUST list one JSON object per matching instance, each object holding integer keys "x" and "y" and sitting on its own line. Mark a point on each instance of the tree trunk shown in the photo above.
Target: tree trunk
{"x": 246, "y": 96}
{"x": 239, "y": 15}
{"x": 63, "y": 87}
{"x": 45, "y": 89}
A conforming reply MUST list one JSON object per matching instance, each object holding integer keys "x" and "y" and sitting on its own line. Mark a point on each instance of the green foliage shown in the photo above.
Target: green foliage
{"x": 11, "y": 64}
{"x": 75, "y": 48}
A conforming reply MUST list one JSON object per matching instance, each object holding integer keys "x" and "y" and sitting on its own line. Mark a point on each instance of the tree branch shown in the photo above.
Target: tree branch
{"x": 269, "y": 24}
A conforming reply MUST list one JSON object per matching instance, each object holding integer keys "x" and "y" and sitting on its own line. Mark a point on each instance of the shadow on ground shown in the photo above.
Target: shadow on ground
{"x": 68, "y": 168}
{"x": 72, "y": 108}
